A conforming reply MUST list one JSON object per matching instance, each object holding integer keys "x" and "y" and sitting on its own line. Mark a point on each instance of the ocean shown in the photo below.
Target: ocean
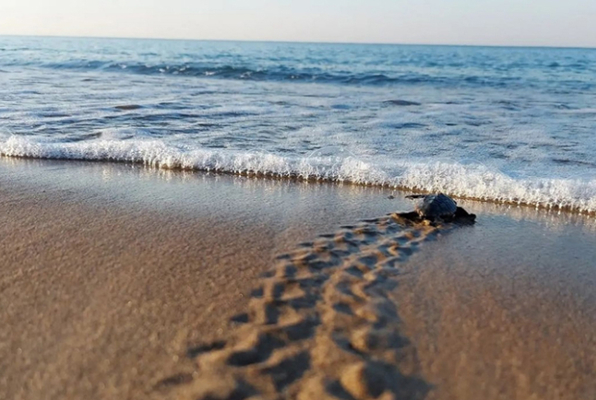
{"x": 514, "y": 125}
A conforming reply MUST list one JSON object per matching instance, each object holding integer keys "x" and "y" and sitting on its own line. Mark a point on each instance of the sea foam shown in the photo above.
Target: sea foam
{"x": 474, "y": 181}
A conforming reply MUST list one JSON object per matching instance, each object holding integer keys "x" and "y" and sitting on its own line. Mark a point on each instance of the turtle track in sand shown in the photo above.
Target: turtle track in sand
{"x": 321, "y": 325}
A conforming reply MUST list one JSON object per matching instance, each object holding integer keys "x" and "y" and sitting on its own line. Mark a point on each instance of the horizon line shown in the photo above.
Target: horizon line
{"x": 298, "y": 41}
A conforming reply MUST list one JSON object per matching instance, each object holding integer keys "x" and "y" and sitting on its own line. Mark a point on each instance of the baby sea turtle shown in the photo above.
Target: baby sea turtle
{"x": 432, "y": 206}
{"x": 438, "y": 206}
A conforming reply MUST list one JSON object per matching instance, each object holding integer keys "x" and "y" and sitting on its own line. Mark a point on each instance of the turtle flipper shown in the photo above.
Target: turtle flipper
{"x": 463, "y": 217}
{"x": 411, "y": 216}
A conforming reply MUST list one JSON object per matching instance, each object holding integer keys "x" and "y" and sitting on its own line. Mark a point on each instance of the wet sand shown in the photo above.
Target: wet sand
{"x": 510, "y": 316}
{"x": 121, "y": 282}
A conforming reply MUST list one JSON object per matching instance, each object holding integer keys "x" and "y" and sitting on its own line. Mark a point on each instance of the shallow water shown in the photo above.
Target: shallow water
{"x": 500, "y": 124}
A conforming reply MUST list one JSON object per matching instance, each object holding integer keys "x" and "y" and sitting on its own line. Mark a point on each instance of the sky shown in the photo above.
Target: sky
{"x": 471, "y": 22}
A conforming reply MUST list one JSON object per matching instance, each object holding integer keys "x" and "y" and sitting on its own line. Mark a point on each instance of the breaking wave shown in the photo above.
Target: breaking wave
{"x": 475, "y": 181}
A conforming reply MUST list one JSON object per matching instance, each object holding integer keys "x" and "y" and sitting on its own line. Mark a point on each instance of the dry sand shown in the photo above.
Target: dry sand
{"x": 117, "y": 282}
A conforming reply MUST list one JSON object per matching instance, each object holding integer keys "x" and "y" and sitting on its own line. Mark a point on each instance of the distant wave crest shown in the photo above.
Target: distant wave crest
{"x": 280, "y": 73}
{"x": 470, "y": 181}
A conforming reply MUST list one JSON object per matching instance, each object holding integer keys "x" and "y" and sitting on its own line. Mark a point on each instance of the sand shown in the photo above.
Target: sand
{"x": 118, "y": 282}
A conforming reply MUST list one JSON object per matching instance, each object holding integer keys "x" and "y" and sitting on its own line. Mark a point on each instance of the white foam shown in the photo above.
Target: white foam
{"x": 462, "y": 180}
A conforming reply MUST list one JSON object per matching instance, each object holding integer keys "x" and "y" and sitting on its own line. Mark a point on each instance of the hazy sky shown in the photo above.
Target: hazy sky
{"x": 493, "y": 22}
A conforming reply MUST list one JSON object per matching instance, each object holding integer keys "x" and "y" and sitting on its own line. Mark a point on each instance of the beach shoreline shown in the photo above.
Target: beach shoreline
{"x": 112, "y": 272}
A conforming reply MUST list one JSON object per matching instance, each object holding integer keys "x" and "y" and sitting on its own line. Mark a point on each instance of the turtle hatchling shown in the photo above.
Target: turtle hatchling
{"x": 438, "y": 206}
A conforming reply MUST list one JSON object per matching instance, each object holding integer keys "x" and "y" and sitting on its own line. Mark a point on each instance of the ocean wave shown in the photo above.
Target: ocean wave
{"x": 474, "y": 181}
{"x": 281, "y": 73}
{"x": 284, "y": 73}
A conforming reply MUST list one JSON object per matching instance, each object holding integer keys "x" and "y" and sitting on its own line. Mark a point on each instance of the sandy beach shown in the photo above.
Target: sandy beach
{"x": 120, "y": 282}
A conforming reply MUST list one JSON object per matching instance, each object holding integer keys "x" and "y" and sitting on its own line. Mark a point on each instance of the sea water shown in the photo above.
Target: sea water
{"x": 492, "y": 123}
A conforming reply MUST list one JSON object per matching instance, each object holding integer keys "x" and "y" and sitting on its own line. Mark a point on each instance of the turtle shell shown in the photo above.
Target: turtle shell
{"x": 436, "y": 205}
